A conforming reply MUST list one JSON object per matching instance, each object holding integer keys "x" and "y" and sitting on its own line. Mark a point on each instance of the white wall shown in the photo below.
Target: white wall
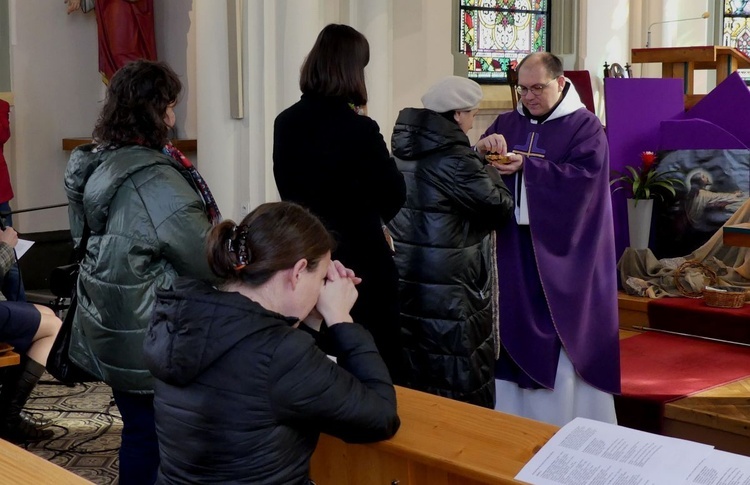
{"x": 605, "y": 37}
{"x": 421, "y": 51}
{"x": 58, "y": 93}
{"x": 410, "y": 49}
{"x": 684, "y": 33}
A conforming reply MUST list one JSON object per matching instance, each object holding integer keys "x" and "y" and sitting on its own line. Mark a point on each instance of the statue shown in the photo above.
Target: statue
{"x": 125, "y": 30}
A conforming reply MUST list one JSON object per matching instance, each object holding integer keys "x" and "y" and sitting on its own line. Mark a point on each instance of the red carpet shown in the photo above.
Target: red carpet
{"x": 662, "y": 368}
{"x": 691, "y": 315}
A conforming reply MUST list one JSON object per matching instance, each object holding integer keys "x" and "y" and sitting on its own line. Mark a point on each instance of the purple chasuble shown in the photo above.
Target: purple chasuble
{"x": 557, "y": 276}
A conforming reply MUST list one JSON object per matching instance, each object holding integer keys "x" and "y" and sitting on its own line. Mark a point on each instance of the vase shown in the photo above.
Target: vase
{"x": 639, "y": 222}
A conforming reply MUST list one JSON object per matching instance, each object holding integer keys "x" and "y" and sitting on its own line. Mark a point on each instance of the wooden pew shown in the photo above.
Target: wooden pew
{"x": 9, "y": 358}
{"x": 441, "y": 442}
{"x": 20, "y": 466}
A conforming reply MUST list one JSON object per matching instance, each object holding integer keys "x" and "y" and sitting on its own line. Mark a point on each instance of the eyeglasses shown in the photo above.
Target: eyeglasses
{"x": 536, "y": 90}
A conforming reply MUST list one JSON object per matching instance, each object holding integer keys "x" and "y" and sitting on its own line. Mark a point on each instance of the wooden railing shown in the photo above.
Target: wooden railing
{"x": 441, "y": 442}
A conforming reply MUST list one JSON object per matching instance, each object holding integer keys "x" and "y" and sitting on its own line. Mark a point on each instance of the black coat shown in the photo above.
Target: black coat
{"x": 444, "y": 255}
{"x": 336, "y": 163}
{"x": 241, "y": 396}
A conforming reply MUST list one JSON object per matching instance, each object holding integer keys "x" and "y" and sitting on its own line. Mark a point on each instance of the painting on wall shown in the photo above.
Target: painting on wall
{"x": 715, "y": 184}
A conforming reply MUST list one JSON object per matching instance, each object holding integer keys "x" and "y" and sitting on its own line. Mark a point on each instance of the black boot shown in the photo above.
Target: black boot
{"x": 18, "y": 383}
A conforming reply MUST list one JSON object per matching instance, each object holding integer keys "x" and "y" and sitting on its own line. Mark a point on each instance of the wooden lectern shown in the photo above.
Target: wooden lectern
{"x": 682, "y": 62}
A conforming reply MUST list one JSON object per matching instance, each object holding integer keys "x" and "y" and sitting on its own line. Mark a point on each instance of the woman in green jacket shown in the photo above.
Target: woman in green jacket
{"x": 148, "y": 210}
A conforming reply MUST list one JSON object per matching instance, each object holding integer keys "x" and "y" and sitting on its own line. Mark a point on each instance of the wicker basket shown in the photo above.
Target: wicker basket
{"x": 724, "y": 296}
{"x": 709, "y": 278}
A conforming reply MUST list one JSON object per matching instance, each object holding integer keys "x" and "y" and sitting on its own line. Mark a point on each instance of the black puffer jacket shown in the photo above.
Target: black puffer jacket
{"x": 444, "y": 254}
{"x": 241, "y": 396}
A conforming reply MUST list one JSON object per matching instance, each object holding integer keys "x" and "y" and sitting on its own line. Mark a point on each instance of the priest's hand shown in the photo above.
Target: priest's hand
{"x": 516, "y": 161}
{"x": 492, "y": 143}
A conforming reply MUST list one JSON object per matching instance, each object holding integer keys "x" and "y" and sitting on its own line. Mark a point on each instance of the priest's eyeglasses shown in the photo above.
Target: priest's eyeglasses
{"x": 536, "y": 89}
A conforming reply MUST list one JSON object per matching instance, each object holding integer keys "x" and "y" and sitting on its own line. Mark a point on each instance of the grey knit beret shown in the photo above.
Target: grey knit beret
{"x": 452, "y": 93}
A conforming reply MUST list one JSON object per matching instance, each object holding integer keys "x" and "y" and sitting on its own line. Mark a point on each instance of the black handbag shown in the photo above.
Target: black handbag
{"x": 63, "y": 283}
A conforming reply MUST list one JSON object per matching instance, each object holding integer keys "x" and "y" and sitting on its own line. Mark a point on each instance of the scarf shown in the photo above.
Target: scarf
{"x": 212, "y": 210}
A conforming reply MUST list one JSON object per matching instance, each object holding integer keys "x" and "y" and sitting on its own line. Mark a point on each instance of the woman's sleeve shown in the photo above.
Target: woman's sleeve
{"x": 7, "y": 258}
{"x": 480, "y": 191}
{"x": 354, "y": 400}
{"x": 182, "y": 233}
{"x": 380, "y": 180}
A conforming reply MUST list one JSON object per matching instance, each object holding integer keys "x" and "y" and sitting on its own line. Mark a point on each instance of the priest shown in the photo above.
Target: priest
{"x": 559, "y": 353}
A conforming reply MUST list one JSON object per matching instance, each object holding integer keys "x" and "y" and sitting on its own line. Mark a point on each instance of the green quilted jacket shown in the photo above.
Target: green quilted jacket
{"x": 148, "y": 226}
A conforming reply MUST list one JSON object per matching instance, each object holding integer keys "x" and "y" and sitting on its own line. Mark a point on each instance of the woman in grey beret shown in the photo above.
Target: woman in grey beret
{"x": 444, "y": 248}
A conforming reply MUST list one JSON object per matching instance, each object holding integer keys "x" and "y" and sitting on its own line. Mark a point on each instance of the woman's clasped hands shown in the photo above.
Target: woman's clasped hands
{"x": 337, "y": 297}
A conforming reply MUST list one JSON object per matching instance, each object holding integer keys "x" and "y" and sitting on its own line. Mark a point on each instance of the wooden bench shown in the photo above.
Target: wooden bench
{"x": 440, "y": 442}
{"x": 9, "y": 358}
{"x": 20, "y": 466}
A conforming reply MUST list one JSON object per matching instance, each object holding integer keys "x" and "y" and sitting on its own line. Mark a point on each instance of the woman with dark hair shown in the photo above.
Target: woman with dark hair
{"x": 148, "y": 211}
{"x": 242, "y": 392}
{"x": 322, "y": 141}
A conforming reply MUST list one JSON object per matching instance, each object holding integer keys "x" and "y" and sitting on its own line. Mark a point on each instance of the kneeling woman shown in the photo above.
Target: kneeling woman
{"x": 242, "y": 392}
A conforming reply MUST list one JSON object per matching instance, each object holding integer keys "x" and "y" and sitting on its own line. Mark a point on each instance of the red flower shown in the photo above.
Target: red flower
{"x": 644, "y": 182}
{"x": 648, "y": 159}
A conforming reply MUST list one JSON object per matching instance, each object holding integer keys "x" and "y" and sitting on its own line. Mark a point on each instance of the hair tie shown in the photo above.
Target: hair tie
{"x": 237, "y": 244}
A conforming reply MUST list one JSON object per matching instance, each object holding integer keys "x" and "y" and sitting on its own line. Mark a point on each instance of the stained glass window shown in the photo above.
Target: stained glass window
{"x": 737, "y": 28}
{"x": 497, "y": 34}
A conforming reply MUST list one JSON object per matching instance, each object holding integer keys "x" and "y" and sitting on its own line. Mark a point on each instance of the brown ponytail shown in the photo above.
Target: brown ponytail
{"x": 271, "y": 238}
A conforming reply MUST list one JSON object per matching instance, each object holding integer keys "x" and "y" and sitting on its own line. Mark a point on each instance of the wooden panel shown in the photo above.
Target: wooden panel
{"x": 328, "y": 464}
{"x": 708, "y": 55}
{"x": 681, "y": 62}
{"x": 628, "y": 333}
{"x": 19, "y": 466}
{"x": 692, "y": 99}
{"x": 336, "y": 462}
{"x": 718, "y": 416}
{"x": 454, "y": 441}
{"x": 738, "y": 235}
{"x": 674, "y": 54}
{"x": 420, "y": 474}
{"x": 9, "y": 358}
{"x": 184, "y": 145}
{"x": 722, "y": 440}
{"x": 632, "y": 310}
{"x": 368, "y": 466}
{"x": 725, "y": 407}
